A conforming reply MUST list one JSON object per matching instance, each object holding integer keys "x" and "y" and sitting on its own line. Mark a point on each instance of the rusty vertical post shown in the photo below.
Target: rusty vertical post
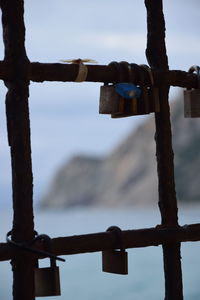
{"x": 17, "y": 112}
{"x": 157, "y": 59}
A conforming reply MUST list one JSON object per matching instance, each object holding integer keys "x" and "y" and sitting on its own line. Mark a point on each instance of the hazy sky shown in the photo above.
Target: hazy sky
{"x": 64, "y": 116}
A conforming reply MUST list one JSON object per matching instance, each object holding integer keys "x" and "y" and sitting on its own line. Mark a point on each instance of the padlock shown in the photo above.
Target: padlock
{"x": 47, "y": 280}
{"x": 139, "y": 105}
{"x": 130, "y": 103}
{"x": 130, "y": 94}
{"x": 115, "y": 261}
{"x": 152, "y": 91}
{"x": 144, "y": 100}
{"x": 110, "y": 101}
{"x": 192, "y": 97}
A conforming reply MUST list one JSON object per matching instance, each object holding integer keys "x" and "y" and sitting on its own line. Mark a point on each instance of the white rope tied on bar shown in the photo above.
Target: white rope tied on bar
{"x": 82, "y": 70}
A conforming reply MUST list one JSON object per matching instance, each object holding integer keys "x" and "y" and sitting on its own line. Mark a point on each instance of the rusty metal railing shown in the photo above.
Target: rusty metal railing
{"x": 16, "y": 70}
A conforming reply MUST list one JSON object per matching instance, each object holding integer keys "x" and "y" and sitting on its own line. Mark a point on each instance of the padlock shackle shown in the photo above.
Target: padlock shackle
{"x": 150, "y": 73}
{"x": 193, "y": 69}
{"x": 47, "y": 240}
{"x": 118, "y": 233}
{"x": 196, "y": 69}
{"x": 27, "y": 247}
{"x": 117, "y": 68}
{"x": 127, "y": 67}
{"x": 131, "y": 70}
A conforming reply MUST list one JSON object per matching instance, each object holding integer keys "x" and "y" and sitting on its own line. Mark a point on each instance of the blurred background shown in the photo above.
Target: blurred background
{"x": 66, "y": 126}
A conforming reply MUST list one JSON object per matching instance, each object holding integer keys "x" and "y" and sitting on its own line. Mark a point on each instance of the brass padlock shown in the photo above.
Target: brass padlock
{"x": 115, "y": 261}
{"x": 152, "y": 91}
{"x": 192, "y": 98}
{"x": 144, "y": 107}
{"x": 130, "y": 93}
{"x": 148, "y": 101}
{"x": 47, "y": 280}
{"x": 132, "y": 105}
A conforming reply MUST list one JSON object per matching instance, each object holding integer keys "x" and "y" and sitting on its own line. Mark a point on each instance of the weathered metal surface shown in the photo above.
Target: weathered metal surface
{"x": 157, "y": 59}
{"x": 192, "y": 103}
{"x": 95, "y": 242}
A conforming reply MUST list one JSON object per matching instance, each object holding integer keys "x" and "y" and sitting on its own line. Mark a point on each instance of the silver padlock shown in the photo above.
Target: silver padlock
{"x": 110, "y": 102}
{"x": 115, "y": 261}
{"x": 192, "y": 97}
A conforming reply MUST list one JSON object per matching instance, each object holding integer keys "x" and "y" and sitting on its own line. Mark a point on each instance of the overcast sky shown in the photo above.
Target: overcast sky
{"x": 64, "y": 116}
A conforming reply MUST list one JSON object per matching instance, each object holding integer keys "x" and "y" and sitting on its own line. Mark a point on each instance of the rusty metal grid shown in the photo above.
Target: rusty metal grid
{"x": 16, "y": 70}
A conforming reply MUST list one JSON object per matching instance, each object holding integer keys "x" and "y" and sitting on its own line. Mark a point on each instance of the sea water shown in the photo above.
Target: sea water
{"x": 81, "y": 275}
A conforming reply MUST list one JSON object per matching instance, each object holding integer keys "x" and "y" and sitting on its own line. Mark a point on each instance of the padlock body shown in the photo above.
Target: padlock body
{"x": 47, "y": 282}
{"x": 114, "y": 261}
{"x": 110, "y": 102}
{"x": 146, "y": 104}
{"x": 149, "y": 102}
{"x": 192, "y": 103}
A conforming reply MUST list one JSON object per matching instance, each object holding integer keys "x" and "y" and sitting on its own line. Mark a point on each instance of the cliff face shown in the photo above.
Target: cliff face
{"x": 128, "y": 175}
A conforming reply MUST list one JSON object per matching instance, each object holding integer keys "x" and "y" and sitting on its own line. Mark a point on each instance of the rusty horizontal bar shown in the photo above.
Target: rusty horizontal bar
{"x": 40, "y": 72}
{"x": 96, "y": 242}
